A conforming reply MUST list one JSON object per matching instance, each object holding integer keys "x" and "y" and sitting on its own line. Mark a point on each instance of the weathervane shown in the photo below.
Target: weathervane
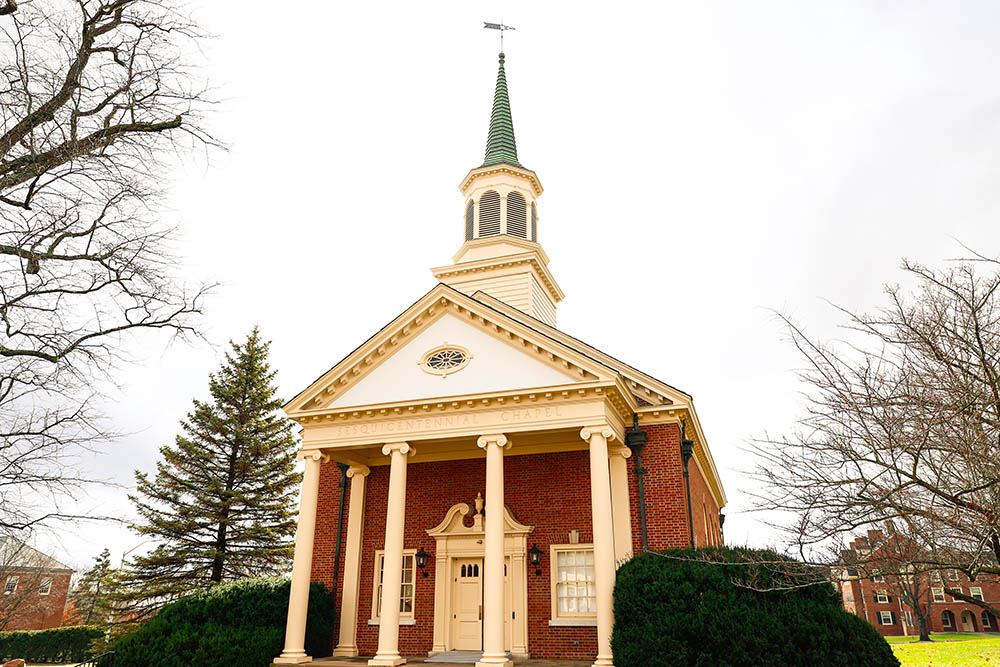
{"x": 498, "y": 26}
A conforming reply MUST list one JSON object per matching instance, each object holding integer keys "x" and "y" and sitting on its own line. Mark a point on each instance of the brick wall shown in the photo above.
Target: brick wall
{"x": 550, "y": 492}
{"x": 38, "y": 612}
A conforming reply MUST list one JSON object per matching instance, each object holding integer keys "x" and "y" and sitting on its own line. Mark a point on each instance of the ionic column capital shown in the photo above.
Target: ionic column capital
{"x": 312, "y": 455}
{"x": 620, "y": 450}
{"x": 498, "y": 439}
{"x": 358, "y": 470}
{"x": 587, "y": 432}
{"x": 403, "y": 448}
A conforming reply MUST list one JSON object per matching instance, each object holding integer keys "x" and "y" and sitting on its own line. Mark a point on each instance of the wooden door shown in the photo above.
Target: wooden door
{"x": 467, "y": 604}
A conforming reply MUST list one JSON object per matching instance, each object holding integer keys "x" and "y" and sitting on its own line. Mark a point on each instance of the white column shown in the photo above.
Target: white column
{"x": 620, "y": 505}
{"x": 392, "y": 570}
{"x": 494, "y": 652}
{"x": 347, "y": 644}
{"x": 604, "y": 545}
{"x": 305, "y": 534}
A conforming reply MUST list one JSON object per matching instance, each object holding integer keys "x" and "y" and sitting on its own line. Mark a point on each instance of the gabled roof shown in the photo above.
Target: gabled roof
{"x": 15, "y": 555}
{"x": 439, "y": 300}
{"x": 648, "y": 386}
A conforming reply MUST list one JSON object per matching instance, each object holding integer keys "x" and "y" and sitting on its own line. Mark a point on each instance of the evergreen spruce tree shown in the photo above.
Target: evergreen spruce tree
{"x": 91, "y": 599}
{"x": 222, "y": 502}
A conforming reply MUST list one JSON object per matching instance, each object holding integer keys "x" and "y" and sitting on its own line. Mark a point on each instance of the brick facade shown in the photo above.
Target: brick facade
{"x": 861, "y": 585}
{"x": 35, "y": 611}
{"x": 550, "y": 492}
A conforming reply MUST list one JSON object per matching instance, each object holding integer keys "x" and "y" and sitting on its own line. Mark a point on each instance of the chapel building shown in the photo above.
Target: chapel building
{"x": 474, "y": 475}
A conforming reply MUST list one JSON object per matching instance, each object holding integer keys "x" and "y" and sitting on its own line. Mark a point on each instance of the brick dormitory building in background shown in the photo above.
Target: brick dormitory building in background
{"x": 35, "y": 587}
{"x": 873, "y": 593}
{"x": 483, "y": 470}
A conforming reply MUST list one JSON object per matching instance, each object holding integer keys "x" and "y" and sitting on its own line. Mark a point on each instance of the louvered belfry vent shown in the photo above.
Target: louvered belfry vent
{"x": 534, "y": 222}
{"x": 517, "y": 221}
{"x": 470, "y": 218}
{"x": 489, "y": 214}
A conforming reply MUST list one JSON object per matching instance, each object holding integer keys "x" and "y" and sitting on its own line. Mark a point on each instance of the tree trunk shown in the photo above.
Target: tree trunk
{"x": 925, "y": 635}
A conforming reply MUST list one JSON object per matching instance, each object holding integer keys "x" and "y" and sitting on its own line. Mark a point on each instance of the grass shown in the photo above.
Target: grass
{"x": 943, "y": 637}
{"x": 964, "y": 652}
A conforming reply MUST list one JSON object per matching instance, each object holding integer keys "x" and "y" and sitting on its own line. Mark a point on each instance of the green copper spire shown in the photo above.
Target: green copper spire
{"x": 500, "y": 145}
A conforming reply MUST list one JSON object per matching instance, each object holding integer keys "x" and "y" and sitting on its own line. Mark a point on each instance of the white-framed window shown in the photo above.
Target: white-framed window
{"x": 45, "y": 587}
{"x": 908, "y": 617}
{"x": 407, "y": 587}
{"x": 936, "y": 576}
{"x": 976, "y": 592}
{"x": 11, "y": 586}
{"x": 885, "y": 618}
{"x": 878, "y": 578}
{"x": 938, "y": 594}
{"x": 882, "y": 597}
{"x": 953, "y": 598}
{"x": 946, "y": 619}
{"x": 573, "y": 592}
{"x": 987, "y": 620}
{"x": 952, "y": 575}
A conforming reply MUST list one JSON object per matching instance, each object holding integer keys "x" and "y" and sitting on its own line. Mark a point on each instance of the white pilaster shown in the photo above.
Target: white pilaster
{"x": 392, "y": 570}
{"x": 620, "y": 505}
{"x": 305, "y": 534}
{"x": 604, "y": 545}
{"x": 347, "y": 644}
{"x": 494, "y": 652}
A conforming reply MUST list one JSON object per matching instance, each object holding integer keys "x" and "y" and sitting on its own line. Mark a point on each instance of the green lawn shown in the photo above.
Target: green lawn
{"x": 945, "y": 637}
{"x": 962, "y": 653}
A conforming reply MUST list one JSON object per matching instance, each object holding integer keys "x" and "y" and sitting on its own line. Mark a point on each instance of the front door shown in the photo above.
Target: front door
{"x": 968, "y": 624}
{"x": 467, "y": 604}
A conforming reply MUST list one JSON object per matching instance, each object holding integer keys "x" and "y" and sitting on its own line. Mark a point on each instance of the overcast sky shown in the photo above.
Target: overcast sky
{"x": 704, "y": 164}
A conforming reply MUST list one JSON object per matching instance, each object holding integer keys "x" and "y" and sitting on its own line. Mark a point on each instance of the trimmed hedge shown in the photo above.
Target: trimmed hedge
{"x": 70, "y": 644}
{"x": 688, "y": 612}
{"x": 240, "y": 623}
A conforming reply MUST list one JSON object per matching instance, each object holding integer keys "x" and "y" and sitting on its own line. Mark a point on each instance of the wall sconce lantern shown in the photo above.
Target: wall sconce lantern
{"x": 422, "y": 557}
{"x": 535, "y": 558}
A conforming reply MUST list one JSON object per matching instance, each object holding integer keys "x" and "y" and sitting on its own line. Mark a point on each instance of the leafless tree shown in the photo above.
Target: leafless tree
{"x": 95, "y": 97}
{"x": 901, "y": 424}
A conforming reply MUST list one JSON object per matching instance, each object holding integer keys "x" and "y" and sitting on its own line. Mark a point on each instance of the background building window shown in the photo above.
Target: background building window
{"x": 976, "y": 593}
{"x": 885, "y": 618}
{"x": 574, "y": 593}
{"x": 908, "y": 617}
{"x": 881, "y": 597}
{"x": 406, "y": 587}
{"x": 878, "y": 578}
{"x": 946, "y": 619}
{"x": 45, "y": 587}
{"x": 11, "y": 586}
{"x": 938, "y": 594}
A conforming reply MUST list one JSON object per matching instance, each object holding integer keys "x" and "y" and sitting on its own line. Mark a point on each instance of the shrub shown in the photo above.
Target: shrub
{"x": 674, "y": 609}
{"x": 70, "y": 644}
{"x": 241, "y": 623}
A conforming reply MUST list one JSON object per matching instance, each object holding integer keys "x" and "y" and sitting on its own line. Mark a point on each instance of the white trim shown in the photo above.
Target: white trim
{"x": 376, "y": 597}
{"x": 45, "y": 587}
{"x": 402, "y": 621}
{"x": 573, "y": 622}
{"x": 555, "y": 614}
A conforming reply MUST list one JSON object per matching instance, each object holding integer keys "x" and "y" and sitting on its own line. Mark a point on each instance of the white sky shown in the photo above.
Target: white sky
{"x": 704, "y": 163}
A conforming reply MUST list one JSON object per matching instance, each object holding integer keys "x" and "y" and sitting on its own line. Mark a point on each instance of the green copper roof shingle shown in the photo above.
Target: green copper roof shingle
{"x": 500, "y": 145}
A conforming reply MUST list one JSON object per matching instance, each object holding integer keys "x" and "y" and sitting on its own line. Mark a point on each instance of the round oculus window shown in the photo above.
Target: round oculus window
{"x": 445, "y": 360}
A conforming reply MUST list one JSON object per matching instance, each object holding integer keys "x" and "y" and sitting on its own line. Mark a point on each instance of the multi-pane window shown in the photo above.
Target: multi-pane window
{"x": 946, "y": 619}
{"x": 908, "y": 616}
{"x": 885, "y": 617}
{"x": 878, "y": 578}
{"x": 976, "y": 592}
{"x": 45, "y": 587}
{"x": 11, "y": 586}
{"x": 575, "y": 594}
{"x": 938, "y": 594}
{"x": 952, "y": 575}
{"x": 882, "y": 597}
{"x": 406, "y": 586}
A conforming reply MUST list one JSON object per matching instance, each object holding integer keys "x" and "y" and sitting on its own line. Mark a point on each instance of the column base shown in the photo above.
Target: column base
{"x": 291, "y": 660}
{"x": 386, "y": 661}
{"x": 495, "y": 661}
{"x": 603, "y": 662}
{"x": 345, "y": 652}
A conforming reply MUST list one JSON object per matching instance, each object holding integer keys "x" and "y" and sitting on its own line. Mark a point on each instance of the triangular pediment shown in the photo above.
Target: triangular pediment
{"x": 504, "y": 355}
